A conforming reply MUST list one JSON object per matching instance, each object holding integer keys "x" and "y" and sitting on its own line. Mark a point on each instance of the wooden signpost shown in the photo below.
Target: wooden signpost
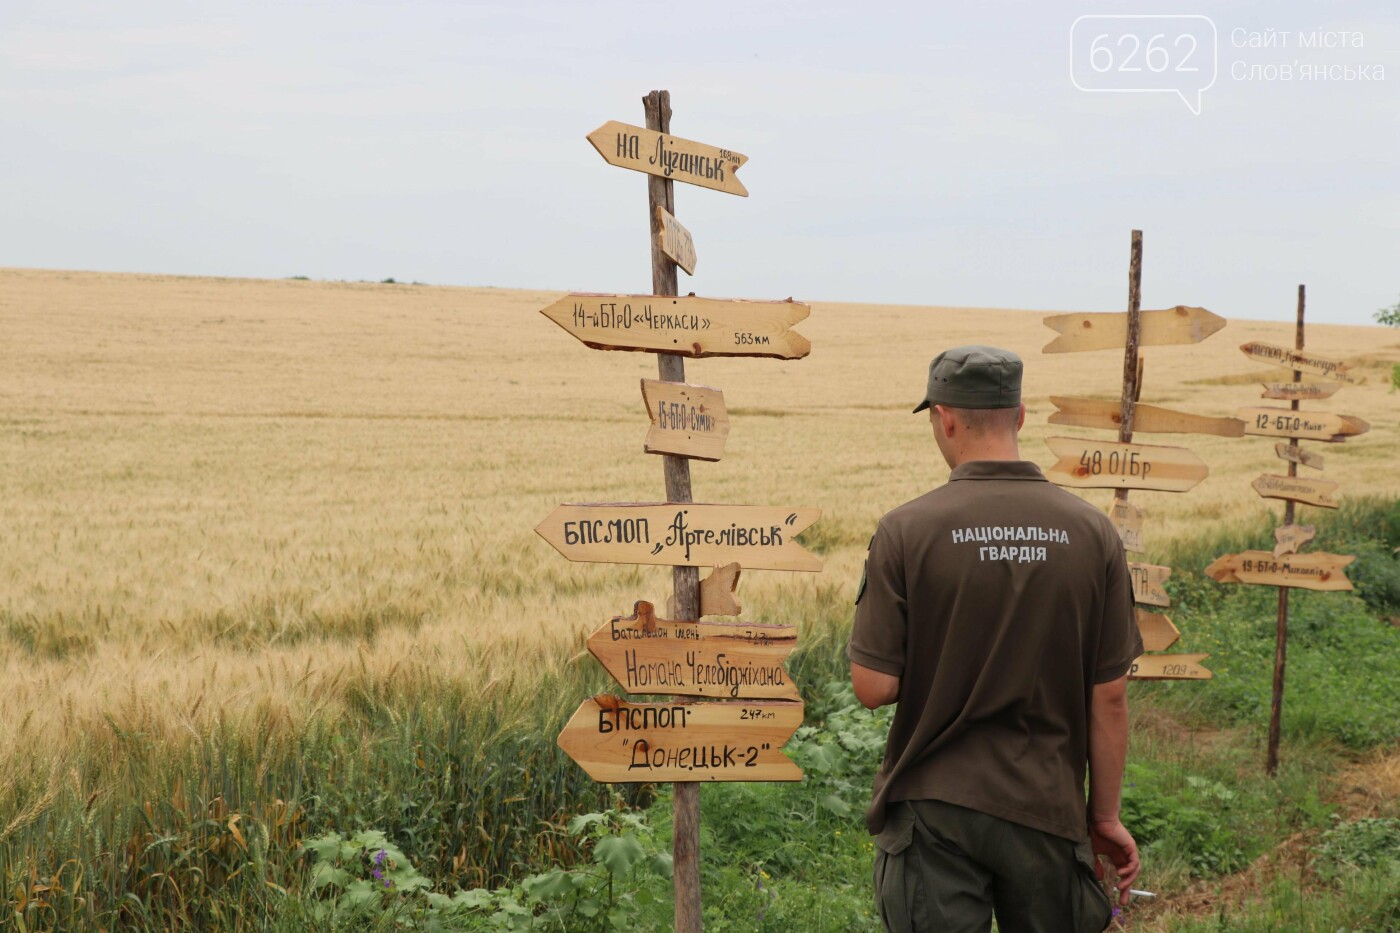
{"x": 1317, "y": 570}
{"x": 1147, "y": 419}
{"x": 1087, "y": 464}
{"x": 684, "y": 741}
{"x": 727, "y": 660}
{"x": 686, "y": 420}
{"x": 1295, "y": 454}
{"x": 1300, "y": 391}
{"x": 669, "y": 157}
{"x": 686, "y": 326}
{"x": 1109, "y": 330}
{"x": 1122, "y": 465}
{"x": 1312, "y": 425}
{"x": 1290, "y": 538}
{"x": 1316, "y": 492}
{"x": 1311, "y": 364}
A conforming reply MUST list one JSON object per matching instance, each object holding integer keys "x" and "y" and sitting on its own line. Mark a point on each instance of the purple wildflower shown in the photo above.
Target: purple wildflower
{"x": 375, "y": 871}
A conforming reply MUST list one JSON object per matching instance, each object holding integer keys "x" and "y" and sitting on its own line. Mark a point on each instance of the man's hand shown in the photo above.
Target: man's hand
{"x": 1111, "y": 839}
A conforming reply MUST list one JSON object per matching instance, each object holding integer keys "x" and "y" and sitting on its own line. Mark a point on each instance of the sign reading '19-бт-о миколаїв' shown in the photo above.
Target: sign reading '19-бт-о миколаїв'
{"x": 686, "y": 325}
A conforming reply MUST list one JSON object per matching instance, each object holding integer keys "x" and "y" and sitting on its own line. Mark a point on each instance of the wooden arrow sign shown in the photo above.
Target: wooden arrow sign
{"x": 1304, "y": 361}
{"x": 1291, "y": 537}
{"x": 671, "y": 534}
{"x": 1316, "y": 570}
{"x": 655, "y": 153}
{"x": 616, "y": 741}
{"x": 1158, "y": 633}
{"x": 1086, "y": 464}
{"x": 716, "y": 593}
{"x": 1148, "y": 580}
{"x": 1109, "y": 330}
{"x": 1295, "y": 454}
{"x": 1289, "y": 391}
{"x": 686, "y": 420}
{"x": 1313, "y": 425}
{"x": 1316, "y": 492}
{"x": 1149, "y": 419}
{"x": 1128, "y": 519}
{"x": 675, "y": 240}
{"x": 686, "y": 325}
{"x": 1169, "y": 667}
{"x": 729, "y": 660}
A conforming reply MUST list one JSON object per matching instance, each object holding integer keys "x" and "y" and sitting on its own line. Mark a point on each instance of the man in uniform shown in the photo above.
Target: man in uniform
{"x": 997, "y": 612}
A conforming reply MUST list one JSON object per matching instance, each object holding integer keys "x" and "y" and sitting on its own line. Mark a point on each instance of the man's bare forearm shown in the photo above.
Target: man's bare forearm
{"x": 1108, "y": 748}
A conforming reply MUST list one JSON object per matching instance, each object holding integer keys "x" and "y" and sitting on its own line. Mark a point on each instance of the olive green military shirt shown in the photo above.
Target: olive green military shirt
{"x": 1000, "y": 600}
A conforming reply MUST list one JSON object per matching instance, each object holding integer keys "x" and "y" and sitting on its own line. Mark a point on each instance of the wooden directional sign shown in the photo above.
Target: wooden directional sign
{"x": 1169, "y": 667}
{"x": 1304, "y": 361}
{"x": 759, "y": 537}
{"x": 1316, "y": 570}
{"x": 1086, "y": 464}
{"x": 1148, "y": 419}
{"x": 685, "y": 325}
{"x": 616, "y": 741}
{"x": 1316, "y": 492}
{"x": 1313, "y": 425}
{"x": 1109, "y": 330}
{"x": 675, "y": 240}
{"x": 668, "y": 156}
{"x": 1295, "y": 454}
{"x": 1158, "y": 633}
{"x": 717, "y": 592}
{"x": 686, "y": 420}
{"x": 729, "y": 660}
{"x": 1128, "y": 519}
{"x": 1292, "y": 537}
{"x": 1288, "y": 391}
{"x": 1147, "y": 583}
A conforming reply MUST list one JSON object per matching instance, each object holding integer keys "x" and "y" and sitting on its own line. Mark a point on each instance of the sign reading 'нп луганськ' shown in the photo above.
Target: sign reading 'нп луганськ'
{"x": 667, "y": 156}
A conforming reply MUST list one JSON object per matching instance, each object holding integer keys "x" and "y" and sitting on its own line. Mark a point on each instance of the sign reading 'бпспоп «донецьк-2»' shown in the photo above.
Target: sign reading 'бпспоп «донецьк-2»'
{"x": 1316, "y": 492}
{"x": 685, "y": 326}
{"x": 1302, "y": 361}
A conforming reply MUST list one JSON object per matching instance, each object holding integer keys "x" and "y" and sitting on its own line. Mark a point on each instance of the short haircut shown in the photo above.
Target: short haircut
{"x": 984, "y": 421}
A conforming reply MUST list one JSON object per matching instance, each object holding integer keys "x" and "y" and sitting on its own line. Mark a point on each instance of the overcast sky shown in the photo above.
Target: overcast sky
{"x": 914, "y": 153}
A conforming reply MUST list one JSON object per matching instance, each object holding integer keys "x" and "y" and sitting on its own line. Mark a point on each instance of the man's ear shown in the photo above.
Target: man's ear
{"x": 946, "y": 420}
{"x": 1021, "y": 419}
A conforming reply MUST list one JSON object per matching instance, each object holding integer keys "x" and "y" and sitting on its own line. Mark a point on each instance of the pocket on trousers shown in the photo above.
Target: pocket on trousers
{"x": 1092, "y": 908}
{"x": 891, "y": 890}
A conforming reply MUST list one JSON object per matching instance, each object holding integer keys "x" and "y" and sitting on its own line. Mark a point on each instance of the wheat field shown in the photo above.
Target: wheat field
{"x": 227, "y": 495}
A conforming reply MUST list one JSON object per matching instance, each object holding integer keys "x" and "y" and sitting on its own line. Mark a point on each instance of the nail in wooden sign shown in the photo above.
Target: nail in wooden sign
{"x": 726, "y": 660}
{"x": 675, "y": 240}
{"x": 759, "y": 537}
{"x": 1149, "y": 419}
{"x": 1295, "y": 454}
{"x": 1316, "y": 570}
{"x": 656, "y": 153}
{"x": 1292, "y": 537}
{"x": 1169, "y": 667}
{"x": 1158, "y": 632}
{"x": 1304, "y": 361}
{"x": 686, "y": 420}
{"x": 1086, "y": 464}
{"x": 1289, "y": 391}
{"x": 1108, "y": 330}
{"x": 1148, "y": 580}
{"x": 1313, "y": 425}
{"x": 685, "y": 325}
{"x": 1128, "y": 519}
{"x": 1316, "y": 492}
{"x": 616, "y": 741}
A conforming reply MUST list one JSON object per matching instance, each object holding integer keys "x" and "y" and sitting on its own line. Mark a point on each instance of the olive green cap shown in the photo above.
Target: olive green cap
{"x": 974, "y": 377}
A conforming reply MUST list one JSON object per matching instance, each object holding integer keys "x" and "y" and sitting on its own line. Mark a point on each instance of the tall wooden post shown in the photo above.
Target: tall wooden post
{"x": 1132, "y": 369}
{"x": 685, "y": 845}
{"x": 1281, "y": 630}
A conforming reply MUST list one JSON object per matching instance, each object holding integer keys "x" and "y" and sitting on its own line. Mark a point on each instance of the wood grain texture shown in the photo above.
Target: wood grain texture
{"x": 1158, "y": 632}
{"x": 1294, "y": 391}
{"x": 726, "y": 660}
{"x": 1108, "y": 330}
{"x": 616, "y": 741}
{"x": 1169, "y": 667}
{"x": 1267, "y": 421}
{"x": 1128, "y": 519}
{"x": 1316, "y": 492}
{"x": 1148, "y": 580}
{"x": 686, "y": 420}
{"x": 687, "y": 326}
{"x": 1147, "y": 419}
{"x": 675, "y": 240}
{"x": 1289, "y": 538}
{"x": 759, "y": 537}
{"x": 1316, "y": 570}
{"x": 1087, "y": 464}
{"x": 1295, "y": 454}
{"x": 717, "y": 591}
{"x": 671, "y": 157}
{"x": 1303, "y": 361}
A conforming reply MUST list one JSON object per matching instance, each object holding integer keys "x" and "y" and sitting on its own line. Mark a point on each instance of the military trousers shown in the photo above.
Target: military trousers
{"x": 941, "y": 868}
